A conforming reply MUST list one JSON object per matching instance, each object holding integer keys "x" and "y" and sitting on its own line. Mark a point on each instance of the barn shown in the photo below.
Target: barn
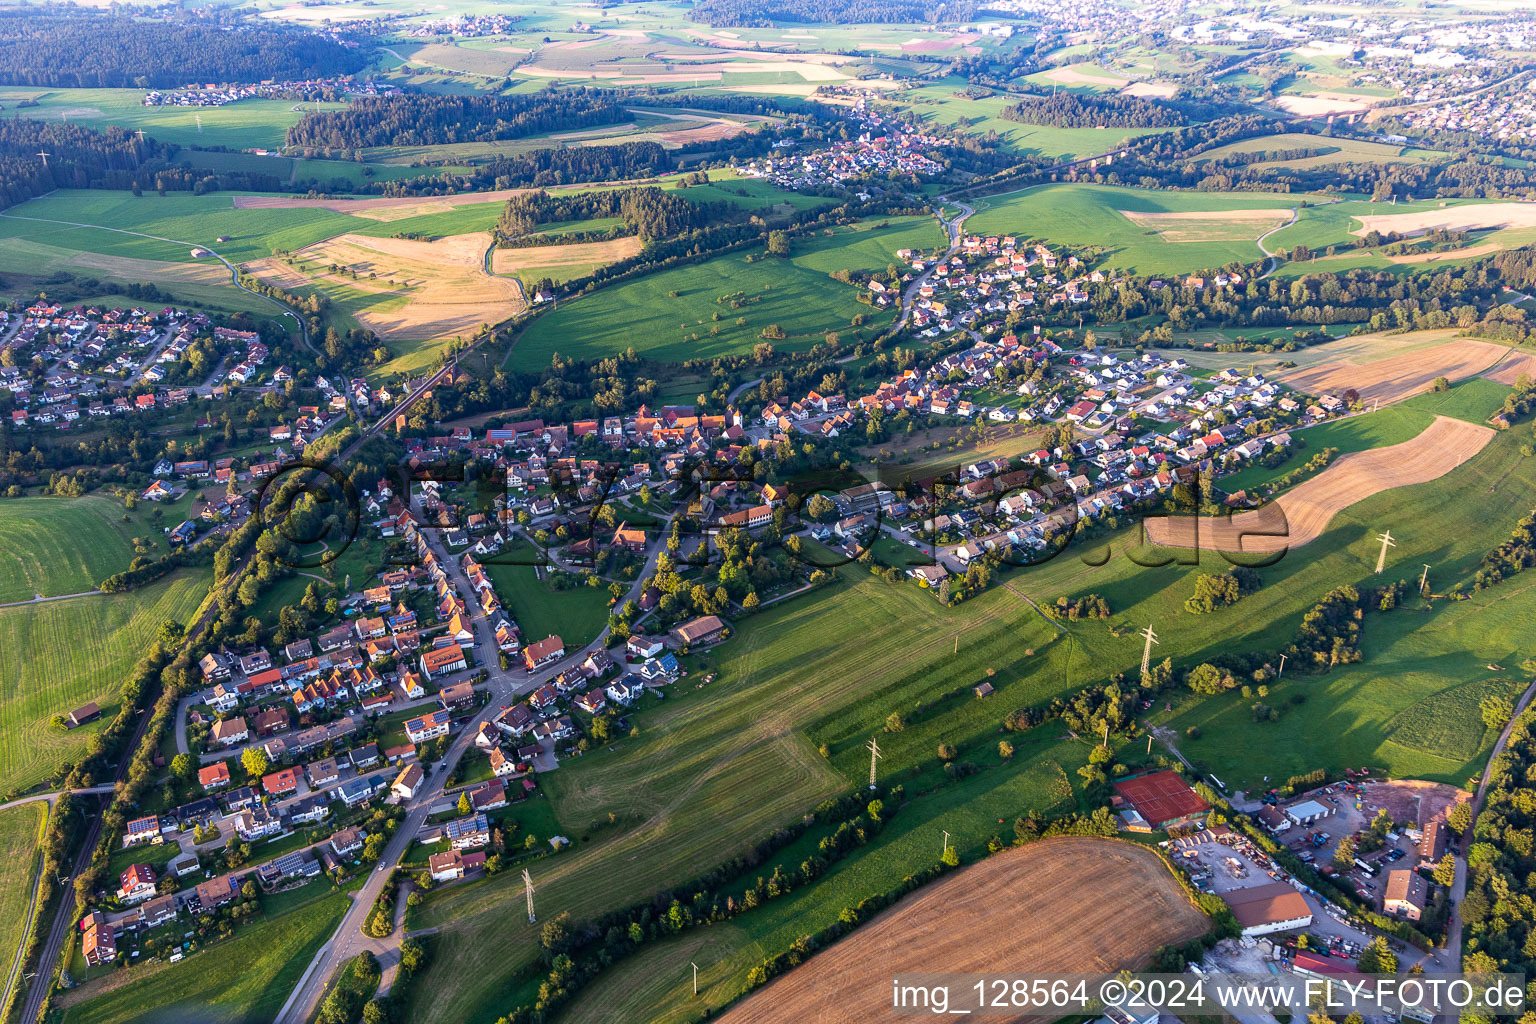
{"x": 1275, "y": 907}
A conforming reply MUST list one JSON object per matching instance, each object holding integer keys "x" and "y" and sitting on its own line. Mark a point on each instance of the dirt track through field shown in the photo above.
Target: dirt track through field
{"x": 1398, "y": 377}
{"x": 1299, "y": 516}
{"x": 1056, "y": 906}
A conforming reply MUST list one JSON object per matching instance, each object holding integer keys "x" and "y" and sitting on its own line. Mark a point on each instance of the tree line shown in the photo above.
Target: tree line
{"x": 416, "y": 120}
{"x": 648, "y": 212}
{"x": 77, "y": 157}
{"x": 85, "y": 50}
{"x": 1069, "y": 110}
{"x": 1498, "y": 919}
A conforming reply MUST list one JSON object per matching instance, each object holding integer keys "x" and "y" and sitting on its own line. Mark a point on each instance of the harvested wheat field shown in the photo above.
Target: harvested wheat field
{"x": 1451, "y": 218}
{"x": 1399, "y": 376}
{"x": 577, "y": 259}
{"x": 1509, "y": 369}
{"x": 405, "y": 290}
{"x": 1299, "y": 516}
{"x": 1024, "y": 911}
{"x": 1209, "y": 225}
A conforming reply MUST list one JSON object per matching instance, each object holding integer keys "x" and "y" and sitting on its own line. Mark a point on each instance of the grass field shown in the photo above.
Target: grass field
{"x": 196, "y": 220}
{"x": 714, "y": 768}
{"x": 576, "y": 615}
{"x": 1419, "y": 665}
{"x": 244, "y": 125}
{"x": 60, "y": 654}
{"x": 1334, "y": 151}
{"x": 1226, "y": 227}
{"x": 796, "y": 294}
{"x": 561, "y": 263}
{"x": 655, "y": 983}
{"x": 242, "y": 981}
{"x": 21, "y": 827}
{"x": 1337, "y": 224}
{"x": 941, "y": 103}
{"x": 54, "y": 546}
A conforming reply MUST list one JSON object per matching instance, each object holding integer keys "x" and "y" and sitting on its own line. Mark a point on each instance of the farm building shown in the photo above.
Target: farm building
{"x": 703, "y": 630}
{"x": 1275, "y": 907}
{"x": 1161, "y": 798}
{"x": 1308, "y": 811}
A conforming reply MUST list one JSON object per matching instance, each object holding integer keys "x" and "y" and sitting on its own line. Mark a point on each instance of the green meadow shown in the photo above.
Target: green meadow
{"x": 1090, "y": 216}
{"x": 243, "y": 979}
{"x": 576, "y": 615}
{"x": 59, "y": 654}
{"x": 656, "y": 983}
{"x": 21, "y": 828}
{"x": 658, "y": 314}
{"x": 942, "y": 104}
{"x": 1334, "y": 151}
{"x": 54, "y": 546}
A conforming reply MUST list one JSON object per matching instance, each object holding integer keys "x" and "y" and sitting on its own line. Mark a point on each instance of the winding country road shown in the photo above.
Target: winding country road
{"x": 234, "y": 271}
{"x": 1274, "y": 259}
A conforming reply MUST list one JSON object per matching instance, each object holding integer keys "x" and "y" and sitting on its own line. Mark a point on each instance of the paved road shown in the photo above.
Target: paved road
{"x": 234, "y": 272}
{"x": 909, "y": 294}
{"x": 1274, "y": 259}
{"x": 40, "y": 599}
{"x": 65, "y": 915}
{"x": 504, "y": 686}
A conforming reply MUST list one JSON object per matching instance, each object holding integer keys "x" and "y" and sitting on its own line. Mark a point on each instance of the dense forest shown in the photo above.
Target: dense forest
{"x": 1069, "y": 110}
{"x": 79, "y": 50}
{"x": 544, "y": 167}
{"x": 77, "y": 157}
{"x": 444, "y": 120}
{"x": 765, "y": 13}
{"x": 647, "y": 212}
